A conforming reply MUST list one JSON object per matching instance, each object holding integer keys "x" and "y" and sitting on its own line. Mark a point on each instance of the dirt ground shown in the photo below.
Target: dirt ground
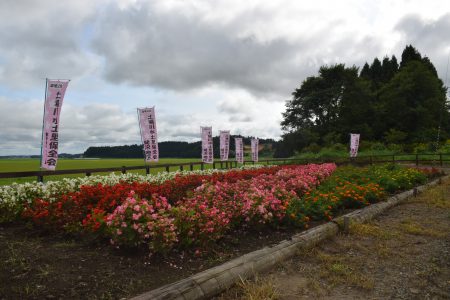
{"x": 403, "y": 254}
{"x": 41, "y": 265}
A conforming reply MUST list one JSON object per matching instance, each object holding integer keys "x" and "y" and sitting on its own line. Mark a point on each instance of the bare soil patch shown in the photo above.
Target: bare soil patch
{"x": 40, "y": 265}
{"x": 403, "y": 254}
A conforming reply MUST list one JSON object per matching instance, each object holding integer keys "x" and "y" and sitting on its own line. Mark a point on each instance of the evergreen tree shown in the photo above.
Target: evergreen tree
{"x": 365, "y": 72}
{"x": 412, "y": 102}
{"x": 410, "y": 54}
{"x": 389, "y": 69}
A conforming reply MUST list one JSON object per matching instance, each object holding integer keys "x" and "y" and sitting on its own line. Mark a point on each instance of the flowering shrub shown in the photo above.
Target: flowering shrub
{"x": 214, "y": 208}
{"x": 351, "y": 187}
{"x": 139, "y": 221}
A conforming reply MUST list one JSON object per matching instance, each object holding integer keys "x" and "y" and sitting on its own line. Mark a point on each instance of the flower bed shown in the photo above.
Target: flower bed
{"x": 198, "y": 208}
{"x": 13, "y": 197}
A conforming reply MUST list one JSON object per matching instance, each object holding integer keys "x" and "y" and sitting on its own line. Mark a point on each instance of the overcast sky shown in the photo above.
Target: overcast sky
{"x": 229, "y": 64}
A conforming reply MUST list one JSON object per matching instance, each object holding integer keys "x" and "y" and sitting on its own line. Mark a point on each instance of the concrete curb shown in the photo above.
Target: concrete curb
{"x": 215, "y": 280}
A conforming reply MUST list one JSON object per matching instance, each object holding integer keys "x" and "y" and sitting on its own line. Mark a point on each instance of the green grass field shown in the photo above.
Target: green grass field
{"x": 17, "y": 165}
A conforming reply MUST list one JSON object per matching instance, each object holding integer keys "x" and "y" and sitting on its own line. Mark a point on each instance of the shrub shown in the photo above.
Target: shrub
{"x": 139, "y": 221}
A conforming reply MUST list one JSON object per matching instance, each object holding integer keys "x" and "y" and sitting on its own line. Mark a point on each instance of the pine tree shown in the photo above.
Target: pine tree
{"x": 410, "y": 54}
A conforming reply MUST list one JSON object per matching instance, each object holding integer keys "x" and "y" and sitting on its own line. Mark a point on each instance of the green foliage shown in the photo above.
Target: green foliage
{"x": 411, "y": 104}
{"x": 378, "y": 146}
{"x": 353, "y": 187}
{"x": 394, "y": 136}
{"x": 385, "y": 103}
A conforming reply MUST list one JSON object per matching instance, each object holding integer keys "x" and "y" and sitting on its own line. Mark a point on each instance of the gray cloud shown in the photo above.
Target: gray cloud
{"x": 430, "y": 37}
{"x": 42, "y": 39}
{"x": 240, "y": 118}
{"x": 238, "y": 110}
{"x": 144, "y": 46}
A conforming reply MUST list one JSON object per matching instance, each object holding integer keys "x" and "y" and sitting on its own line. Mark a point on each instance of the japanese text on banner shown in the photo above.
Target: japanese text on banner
{"x": 255, "y": 145}
{"x": 354, "y": 144}
{"x": 207, "y": 145}
{"x": 224, "y": 145}
{"x": 52, "y": 109}
{"x": 149, "y": 136}
{"x": 239, "y": 150}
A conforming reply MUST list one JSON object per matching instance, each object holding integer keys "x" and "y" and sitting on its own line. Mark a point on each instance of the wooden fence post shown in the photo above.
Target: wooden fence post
{"x": 202, "y": 166}
{"x": 181, "y": 167}
{"x": 417, "y": 159}
{"x": 147, "y": 170}
{"x": 191, "y": 167}
{"x": 167, "y": 169}
{"x": 124, "y": 170}
{"x": 40, "y": 178}
{"x": 440, "y": 159}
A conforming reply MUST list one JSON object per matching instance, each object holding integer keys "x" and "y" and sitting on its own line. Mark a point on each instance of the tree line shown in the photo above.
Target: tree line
{"x": 173, "y": 149}
{"x": 389, "y": 102}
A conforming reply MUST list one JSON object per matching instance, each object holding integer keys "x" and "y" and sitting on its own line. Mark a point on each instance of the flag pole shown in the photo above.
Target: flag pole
{"x": 43, "y": 121}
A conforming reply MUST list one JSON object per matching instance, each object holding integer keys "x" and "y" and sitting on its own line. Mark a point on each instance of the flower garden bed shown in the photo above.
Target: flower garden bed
{"x": 187, "y": 222}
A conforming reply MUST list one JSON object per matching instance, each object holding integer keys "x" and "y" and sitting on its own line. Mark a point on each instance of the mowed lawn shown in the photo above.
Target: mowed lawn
{"x": 28, "y": 164}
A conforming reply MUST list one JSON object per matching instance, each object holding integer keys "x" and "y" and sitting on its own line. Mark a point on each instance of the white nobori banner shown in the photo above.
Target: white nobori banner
{"x": 54, "y": 96}
{"x": 224, "y": 144}
{"x": 207, "y": 145}
{"x": 354, "y": 144}
{"x": 239, "y": 147}
{"x": 255, "y": 145}
{"x": 149, "y": 136}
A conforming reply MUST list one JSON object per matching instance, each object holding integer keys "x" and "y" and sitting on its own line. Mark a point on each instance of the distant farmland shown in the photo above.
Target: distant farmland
{"x": 30, "y": 164}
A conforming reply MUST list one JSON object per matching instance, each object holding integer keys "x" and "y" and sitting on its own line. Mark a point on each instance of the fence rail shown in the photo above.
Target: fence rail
{"x": 437, "y": 158}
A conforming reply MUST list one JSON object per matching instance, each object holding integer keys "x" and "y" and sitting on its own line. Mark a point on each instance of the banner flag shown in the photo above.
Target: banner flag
{"x": 207, "y": 145}
{"x": 354, "y": 144}
{"x": 54, "y": 96}
{"x": 255, "y": 145}
{"x": 224, "y": 144}
{"x": 239, "y": 150}
{"x": 149, "y": 135}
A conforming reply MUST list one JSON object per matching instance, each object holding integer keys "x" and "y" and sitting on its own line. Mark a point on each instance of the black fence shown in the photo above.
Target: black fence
{"x": 416, "y": 159}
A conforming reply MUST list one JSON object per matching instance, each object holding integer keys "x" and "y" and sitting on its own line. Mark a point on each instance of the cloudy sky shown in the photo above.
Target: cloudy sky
{"x": 230, "y": 64}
